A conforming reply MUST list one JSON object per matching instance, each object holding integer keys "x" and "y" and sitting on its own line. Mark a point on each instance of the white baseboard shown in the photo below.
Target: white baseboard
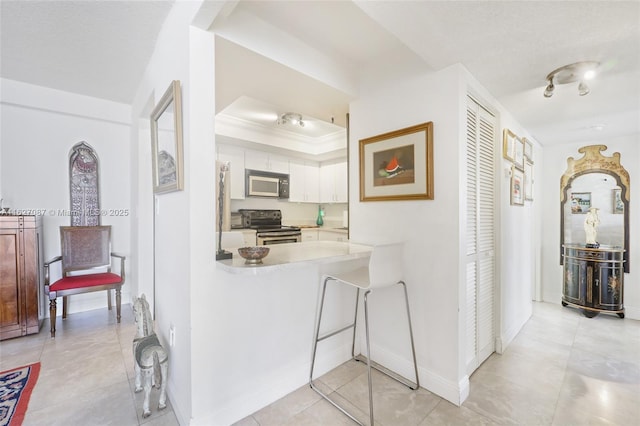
{"x": 554, "y": 297}
{"x": 87, "y": 302}
{"x": 176, "y": 403}
{"x": 273, "y": 386}
{"x": 507, "y": 337}
{"x": 632, "y": 312}
{"x": 276, "y": 384}
{"x": 453, "y": 392}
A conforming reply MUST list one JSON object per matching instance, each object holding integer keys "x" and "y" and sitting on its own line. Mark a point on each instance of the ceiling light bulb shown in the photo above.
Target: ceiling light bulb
{"x": 588, "y": 75}
{"x": 292, "y": 118}
{"x": 583, "y": 89}
{"x": 548, "y": 92}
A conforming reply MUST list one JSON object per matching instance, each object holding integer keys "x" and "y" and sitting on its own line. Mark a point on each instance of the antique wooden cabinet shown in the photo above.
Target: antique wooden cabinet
{"x": 21, "y": 299}
{"x": 593, "y": 279}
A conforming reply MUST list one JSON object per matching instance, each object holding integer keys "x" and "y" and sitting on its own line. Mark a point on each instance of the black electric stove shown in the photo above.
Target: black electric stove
{"x": 268, "y": 226}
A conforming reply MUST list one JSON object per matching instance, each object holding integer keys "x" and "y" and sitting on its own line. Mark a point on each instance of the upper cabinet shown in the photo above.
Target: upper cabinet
{"x": 304, "y": 177}
{"x": 235, "y": 157}
{"x": 259, "y": 160}
{"x": 333, "y": 183}
{"x": 309, "y": 181}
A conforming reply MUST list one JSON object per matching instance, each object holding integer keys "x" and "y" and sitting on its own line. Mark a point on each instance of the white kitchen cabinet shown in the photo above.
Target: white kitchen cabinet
{"x": 235, "y": 157}
{"x": 309, "y": 234}
{"x": 259, "y": 160}
{"x": 332, "y": 235}
{"x": 333, "y": 183}
{"x": 304, "y": 181}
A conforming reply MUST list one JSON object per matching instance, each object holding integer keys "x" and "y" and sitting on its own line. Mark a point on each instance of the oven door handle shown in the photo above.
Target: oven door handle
{"x": 279, "y": 234}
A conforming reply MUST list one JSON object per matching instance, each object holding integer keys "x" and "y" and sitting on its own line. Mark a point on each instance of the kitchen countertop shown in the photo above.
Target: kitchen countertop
{"x": 285, "y": 256}
{"x": 322, "y": 228}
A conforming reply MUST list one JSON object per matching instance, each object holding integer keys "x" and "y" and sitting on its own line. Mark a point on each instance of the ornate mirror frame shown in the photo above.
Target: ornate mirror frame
{"x": 594, "y": 162}
{"x": 166, "y": 141}
{"x": 84, "y": 190}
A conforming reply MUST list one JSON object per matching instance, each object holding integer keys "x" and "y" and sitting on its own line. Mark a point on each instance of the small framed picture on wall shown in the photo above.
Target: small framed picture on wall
{"x": 517, "y": 187}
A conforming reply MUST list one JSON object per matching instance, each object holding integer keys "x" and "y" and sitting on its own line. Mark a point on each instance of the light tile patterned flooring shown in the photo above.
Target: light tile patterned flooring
{"x": 86, "y": 376}
{"x": 561, "y": 369}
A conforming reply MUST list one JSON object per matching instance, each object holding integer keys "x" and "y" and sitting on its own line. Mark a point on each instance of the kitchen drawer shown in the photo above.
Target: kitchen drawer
{"x": 332, "y": 235}
{"x": 309, "y": 235}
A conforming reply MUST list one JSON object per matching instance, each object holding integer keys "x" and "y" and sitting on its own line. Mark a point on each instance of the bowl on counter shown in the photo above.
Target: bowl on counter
{"x": 253, "y": 255}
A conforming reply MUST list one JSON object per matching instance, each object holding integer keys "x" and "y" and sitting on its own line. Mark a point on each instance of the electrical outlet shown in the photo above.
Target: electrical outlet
{"x": 172, "y": 336}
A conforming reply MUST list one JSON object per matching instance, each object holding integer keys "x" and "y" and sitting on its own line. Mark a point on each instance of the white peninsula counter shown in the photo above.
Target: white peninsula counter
{"x": 262, "y": 348}
{"x": 292, "y": 255}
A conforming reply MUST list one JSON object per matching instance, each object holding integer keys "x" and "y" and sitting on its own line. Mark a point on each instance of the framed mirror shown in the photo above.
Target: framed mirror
{"x": 166, "y": 141}
{"x": 600, "y": 182}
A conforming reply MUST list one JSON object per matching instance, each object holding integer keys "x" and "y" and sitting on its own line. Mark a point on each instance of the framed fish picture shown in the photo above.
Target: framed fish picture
{"x": 398, "y": 165}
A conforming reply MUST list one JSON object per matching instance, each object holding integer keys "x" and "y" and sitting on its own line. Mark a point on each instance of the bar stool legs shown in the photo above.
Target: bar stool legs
{"x": 370, "y": 364}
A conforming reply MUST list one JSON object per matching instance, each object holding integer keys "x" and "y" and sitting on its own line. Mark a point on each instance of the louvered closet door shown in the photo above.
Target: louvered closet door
{"x": 480, "y": 250}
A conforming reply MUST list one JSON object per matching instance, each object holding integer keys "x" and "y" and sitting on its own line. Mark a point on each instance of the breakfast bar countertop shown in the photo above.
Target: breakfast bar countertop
{"x": 284, "y": 256}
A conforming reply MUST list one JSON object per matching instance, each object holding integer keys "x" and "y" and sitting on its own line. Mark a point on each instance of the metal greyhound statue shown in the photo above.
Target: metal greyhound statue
{"x": 151, "y": 360}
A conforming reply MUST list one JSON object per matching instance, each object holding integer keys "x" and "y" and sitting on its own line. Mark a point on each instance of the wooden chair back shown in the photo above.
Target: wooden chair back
{"x": 85, "y": 248}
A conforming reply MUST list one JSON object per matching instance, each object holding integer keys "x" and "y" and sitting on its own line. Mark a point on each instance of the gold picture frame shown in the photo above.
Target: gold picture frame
{"x": 513, "y": 148}
{"x": 398, "y": 165}
{"x": 508, "y": 145}
{"x": 166, "y": 141}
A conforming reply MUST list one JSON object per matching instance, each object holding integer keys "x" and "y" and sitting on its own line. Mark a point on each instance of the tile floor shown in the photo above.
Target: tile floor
{"x": 86, "y": 376}
{"x": 561, "y": 369}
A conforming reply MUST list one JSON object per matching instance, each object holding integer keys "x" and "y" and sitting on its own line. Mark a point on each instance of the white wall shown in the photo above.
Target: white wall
{"x": 519, "y": 245}
{"x": 175, "y": 244}
{"x": 430, "y": 228}
{"x": 555, "y": 162}
{"x": 434, "y": 230}
{"x": 39, "y": 128}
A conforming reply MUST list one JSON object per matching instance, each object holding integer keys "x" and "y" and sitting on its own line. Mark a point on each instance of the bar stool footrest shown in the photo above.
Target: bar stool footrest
{"x": 384, "y": 370}
{"x": 335, "y": 404}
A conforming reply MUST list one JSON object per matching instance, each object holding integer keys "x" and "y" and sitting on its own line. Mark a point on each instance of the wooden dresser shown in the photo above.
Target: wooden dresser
{"x": 21, "y": 280}
{"x": 593, "y": 279}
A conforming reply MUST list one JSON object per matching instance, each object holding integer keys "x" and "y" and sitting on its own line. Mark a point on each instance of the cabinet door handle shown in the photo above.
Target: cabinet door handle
{"x": 597, "y": 282}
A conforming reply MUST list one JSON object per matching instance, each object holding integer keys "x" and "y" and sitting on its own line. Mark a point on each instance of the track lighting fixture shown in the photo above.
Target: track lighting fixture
{"x": 583, "y": 89}
{"x": 291, "y": 118}
{"x": 580, "y": 71}
{"x": 548, "y": 92}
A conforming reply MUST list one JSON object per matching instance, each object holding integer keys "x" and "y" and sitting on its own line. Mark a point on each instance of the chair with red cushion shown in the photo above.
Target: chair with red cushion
{"x": 86, "y": 267}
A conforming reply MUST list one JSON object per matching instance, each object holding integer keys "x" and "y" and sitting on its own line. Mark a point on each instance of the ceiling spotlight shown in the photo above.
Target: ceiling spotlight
{"x": 583, "y": 89}
{"x": 548, "y": 92}
{"x": 571, "y": 73}
{"x": 292, "y": 118}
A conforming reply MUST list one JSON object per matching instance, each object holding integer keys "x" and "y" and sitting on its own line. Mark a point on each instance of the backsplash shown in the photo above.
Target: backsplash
{"x": 296, "y": 213}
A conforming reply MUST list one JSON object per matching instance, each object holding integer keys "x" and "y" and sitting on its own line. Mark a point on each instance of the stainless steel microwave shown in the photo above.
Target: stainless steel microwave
{"x": 266, "y": 184}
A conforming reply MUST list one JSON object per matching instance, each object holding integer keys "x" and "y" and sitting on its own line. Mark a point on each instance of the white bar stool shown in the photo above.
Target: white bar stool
{"x": 385, "y": 270}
